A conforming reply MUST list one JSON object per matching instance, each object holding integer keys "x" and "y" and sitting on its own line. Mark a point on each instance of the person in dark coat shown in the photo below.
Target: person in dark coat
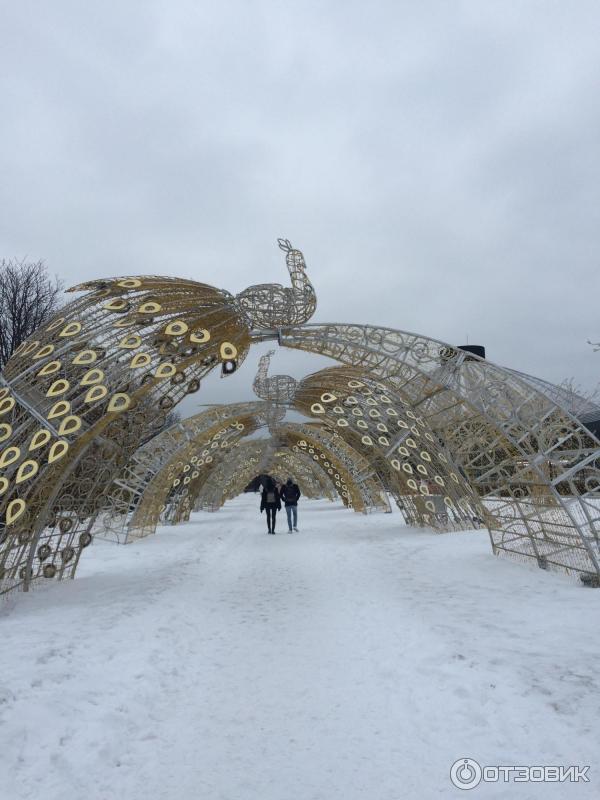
{"x": 270, "y": 502}
{"x": 290, "y": 494}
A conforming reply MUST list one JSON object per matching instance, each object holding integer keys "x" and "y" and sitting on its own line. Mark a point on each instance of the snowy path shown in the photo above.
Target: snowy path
{"x": 353, "y": 660}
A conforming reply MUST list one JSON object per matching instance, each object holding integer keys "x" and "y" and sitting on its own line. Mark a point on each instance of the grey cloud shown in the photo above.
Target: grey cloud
{"x": 437, "y": 162}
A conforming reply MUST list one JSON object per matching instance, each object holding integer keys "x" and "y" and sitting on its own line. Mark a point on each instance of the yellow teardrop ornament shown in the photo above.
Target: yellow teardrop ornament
{"x": 9, "y": 456}
{"x": 176, "y": 328}
{"x": 27, "y": 470}
{"x": 70, "y": 424}
{"x": 71, "y": 329}
{"x": 228, "y": 351}
{"x": 119, "y": 402}
{"x": 15, "y": 509}
{"x": 39, "y": 439}
{"x": 60, "y": 408}
{"x": 57, "y": 451}
{"x": 200, "y": 337}
{"x": 85, "y": 357}
{"x": 165, "y": 370}
{"x": 95, "y": 393}
{"x": 140, "y": 360}
{"x": 92, "y": 376}
{"x": 58, "y": 387}
{"x": 49, "y": 368}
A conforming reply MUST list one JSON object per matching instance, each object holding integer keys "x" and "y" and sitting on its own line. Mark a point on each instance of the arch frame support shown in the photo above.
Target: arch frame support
{"x": 552, "y": 519}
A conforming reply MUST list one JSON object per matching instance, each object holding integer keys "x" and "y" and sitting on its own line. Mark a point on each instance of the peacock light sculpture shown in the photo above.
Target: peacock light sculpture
{"x": 277, "y": 388}
{"x": 271, "y": 305}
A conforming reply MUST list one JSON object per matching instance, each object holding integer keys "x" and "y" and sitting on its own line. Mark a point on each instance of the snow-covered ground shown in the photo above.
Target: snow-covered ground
{"x": 356, "y": 659}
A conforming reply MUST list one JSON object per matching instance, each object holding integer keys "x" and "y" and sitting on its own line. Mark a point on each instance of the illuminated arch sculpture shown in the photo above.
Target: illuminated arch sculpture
{"x": 453, "y": 439}
{"x": 535, "y": 467}
{"x": 190, "y": 465}
{"x": 78, "y": 397}
{"x": 397, "y": 442}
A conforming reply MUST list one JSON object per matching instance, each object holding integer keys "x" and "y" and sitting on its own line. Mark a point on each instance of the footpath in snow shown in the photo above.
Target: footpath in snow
{"x": 355, "y": 660}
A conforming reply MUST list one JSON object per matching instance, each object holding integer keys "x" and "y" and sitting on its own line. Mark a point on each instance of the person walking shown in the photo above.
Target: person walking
{"x": 290, "y": 494}
{"x": 270, "y": 503}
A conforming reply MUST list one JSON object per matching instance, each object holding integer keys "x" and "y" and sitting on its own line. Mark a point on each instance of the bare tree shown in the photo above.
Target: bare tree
{"x": 576, "y": 399}
{"x": 28, "y": 297}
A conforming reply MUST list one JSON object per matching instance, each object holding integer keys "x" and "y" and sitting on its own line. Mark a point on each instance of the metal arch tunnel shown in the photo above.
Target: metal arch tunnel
{"x": 450, "y": 437}
{"x": 488, "y": 483}
{"x": 537, "y": 466}
{"x": 193, "y": 463}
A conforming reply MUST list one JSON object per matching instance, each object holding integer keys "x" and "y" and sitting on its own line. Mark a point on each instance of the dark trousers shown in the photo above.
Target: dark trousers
{"x": 271, "y": 514}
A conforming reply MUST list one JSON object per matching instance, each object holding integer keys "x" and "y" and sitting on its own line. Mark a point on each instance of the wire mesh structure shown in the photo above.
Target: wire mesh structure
{"x": 277, "y": 388}
{"x": 195, "y": 464}
{"x": 78, "y": 398}
{"x": 398, "y": 443}
{"x": 534, "y": 466}
{"x": 452, "y": 439}
{"x": 270, "y": 305}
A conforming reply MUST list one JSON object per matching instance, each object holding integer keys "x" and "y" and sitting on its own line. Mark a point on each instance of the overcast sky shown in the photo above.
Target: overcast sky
{"x": 438, "y": 163}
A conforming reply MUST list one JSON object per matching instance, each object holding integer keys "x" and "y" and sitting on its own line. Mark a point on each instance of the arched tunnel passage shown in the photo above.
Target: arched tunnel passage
{"x": 535, "y": 464}
{"x": 451, "y": 438}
